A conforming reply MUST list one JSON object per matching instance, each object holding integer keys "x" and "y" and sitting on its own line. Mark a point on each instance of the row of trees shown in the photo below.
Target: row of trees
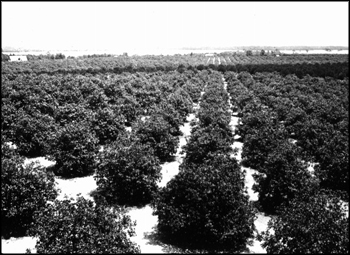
{"x": 313, "y": 111}
{"x": 205, "y": 206}
{"x": 315, "y": 65}
{"x": 272, "y": 110}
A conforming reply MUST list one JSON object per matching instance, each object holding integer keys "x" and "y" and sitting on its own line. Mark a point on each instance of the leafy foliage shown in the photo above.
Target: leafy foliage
{"x": 310, "y": 224}
{"x": 260, "y": 142}
{"x": 72, "y": 112}
{"x": 209, "y": 114}
{"x": 31, "y": 133}
{"x": 74, "y": 149}
{"x": 68, "y": 108}
{"x": 205, "y": 206}
{"x": 311, "y": 112}
{"x": 127, "y": 173}
{"x": 205, "y": 140}
{"x": 169, "y": 114}
{"x": 157, "y": 134}
{"x": 316, "y": 65}
{"x": 108, "y": 125}
{"x": 333, "y": 165}
{"x": 24, "y": 190}
{"x": 282, "y": 177}
{"x": 182, "y": 102}
{"x": 81, "y": 227}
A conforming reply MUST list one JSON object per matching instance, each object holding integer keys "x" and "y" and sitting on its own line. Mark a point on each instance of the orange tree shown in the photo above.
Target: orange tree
{"x": 312, "y": 223}
{"x": 127, "y": 172}
{"x": 157, "y": 133}
{"x": 205, "y": 206}
{"x": 74, "y": 148}
{"x": 24, "y": 190}
{"x": 82, "y": 227}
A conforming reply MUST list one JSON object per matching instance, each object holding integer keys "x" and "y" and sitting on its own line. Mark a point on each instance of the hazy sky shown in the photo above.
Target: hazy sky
{"x": 115, "y": 25}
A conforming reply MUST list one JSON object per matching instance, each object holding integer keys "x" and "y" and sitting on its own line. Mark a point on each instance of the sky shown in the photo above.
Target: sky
{"x": 143, "y": 25}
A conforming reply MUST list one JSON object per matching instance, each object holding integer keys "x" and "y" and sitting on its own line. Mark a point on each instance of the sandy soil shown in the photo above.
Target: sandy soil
{"x": 18, "y": 245}
{"x": 169, "y": 170}
{"x": 249, "y": 182}
{"x": 69, "y": 187}
{"x": 146, "y": 223}
{"x": 39, "y": 161}
{"x": 73, "y": 187}
{"x": 261, "y": 225}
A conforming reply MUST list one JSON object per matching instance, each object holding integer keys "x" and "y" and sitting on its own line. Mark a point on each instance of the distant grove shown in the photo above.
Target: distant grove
{"x": 315, "y": 65}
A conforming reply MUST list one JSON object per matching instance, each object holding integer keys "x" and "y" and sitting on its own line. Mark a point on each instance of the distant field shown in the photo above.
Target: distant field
{"x": 285, "y": 64}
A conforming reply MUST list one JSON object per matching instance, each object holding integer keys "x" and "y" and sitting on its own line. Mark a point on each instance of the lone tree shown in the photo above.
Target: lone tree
{"x": 206, "y": 207}
{"x": 127, "y": 173}
{"x": 81, "y": 227}
{"x": 74, "y": 149}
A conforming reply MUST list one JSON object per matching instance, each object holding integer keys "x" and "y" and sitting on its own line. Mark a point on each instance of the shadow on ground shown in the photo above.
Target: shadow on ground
{"x": 177, "y": 246}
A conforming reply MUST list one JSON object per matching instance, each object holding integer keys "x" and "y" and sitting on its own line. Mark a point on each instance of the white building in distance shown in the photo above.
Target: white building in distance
{"x": 18, "y": 58}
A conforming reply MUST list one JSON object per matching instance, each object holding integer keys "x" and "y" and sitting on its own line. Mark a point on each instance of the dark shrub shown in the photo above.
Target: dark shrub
{"x": 23, "y": 191}
{"x": 74, "y": 149}
{"x": 169, "y": 114}
{"x": 108, "y": 125}
{"x": 260, "y": 142}
{"x": 157, "y": 133}
{"x": 206, "y": 206}
{"x": 282, "y": 177}
{"x": 32, "y": 132}
{"x": 205, "y": 140}
{"x": 127, "y": 173}
{"x": 82, "y": 227}
{"x": 333, "y": 168}
{"x": 182, "y": 102}
{"x": 310, "y": 224}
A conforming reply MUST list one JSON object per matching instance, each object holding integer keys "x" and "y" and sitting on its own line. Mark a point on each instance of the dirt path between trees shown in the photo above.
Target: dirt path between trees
{"x": 146, "y": 222}
{"x": 262, "y": 219}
